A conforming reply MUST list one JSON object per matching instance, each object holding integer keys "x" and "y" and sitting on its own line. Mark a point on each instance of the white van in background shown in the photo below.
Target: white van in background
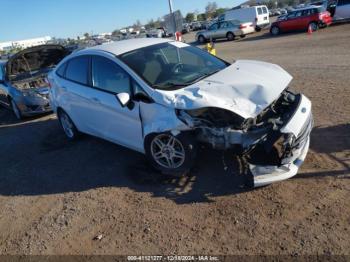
{"x": 342, "y": 10}
{"x": 258, "y": 15}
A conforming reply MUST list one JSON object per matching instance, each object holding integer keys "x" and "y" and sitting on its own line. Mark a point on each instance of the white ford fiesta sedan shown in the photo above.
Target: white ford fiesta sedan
{"x": 163, "y": 98}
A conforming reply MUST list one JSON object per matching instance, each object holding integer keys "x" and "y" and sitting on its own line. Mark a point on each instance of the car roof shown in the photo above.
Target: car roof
{"x": 307, "y": 7}
{"x": 124, "y": 46}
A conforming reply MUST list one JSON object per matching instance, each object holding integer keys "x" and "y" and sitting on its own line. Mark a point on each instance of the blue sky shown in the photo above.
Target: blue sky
{"x": 22, "y": 19}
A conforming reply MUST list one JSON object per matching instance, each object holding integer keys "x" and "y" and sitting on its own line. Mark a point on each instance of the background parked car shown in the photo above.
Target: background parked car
{"x": 196, "y": 26}
{"x": 23, "y": 83}
{"x": 225, "y": 29}
{"x": 301, "y": 19}
{"x": 259, "y": 15}
{"x": 342, "y": 10}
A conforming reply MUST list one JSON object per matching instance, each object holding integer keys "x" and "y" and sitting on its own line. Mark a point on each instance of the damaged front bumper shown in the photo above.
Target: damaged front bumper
{"x": 299, "y": 127}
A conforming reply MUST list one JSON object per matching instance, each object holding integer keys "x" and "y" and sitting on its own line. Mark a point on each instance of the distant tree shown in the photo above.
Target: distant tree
{"x": 280, "y": 4}
{"x": 189, "y": 17}
{"x": 210, "y": 9}
{"x": 137, "y": 25}
{"x": 202, "y": 17}
{"x": 270, "y": 4}
{"x": 87, "y": 36}
{"x": 219, "y": 11}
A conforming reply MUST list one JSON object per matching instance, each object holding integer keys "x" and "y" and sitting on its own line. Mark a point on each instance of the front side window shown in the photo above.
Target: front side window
{"x": 170, "y": 66}
{"x": 213, "y": 27}
{"x": 77, "y": 70}
{"x": 108, "y": 76}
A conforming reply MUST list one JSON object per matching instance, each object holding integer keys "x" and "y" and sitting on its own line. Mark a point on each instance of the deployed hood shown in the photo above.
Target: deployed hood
{"x": 245, "y": 88}
{"x": 34, "y": 59}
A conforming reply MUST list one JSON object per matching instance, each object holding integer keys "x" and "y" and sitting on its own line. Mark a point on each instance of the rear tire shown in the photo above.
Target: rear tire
{"x": 171, "y": 155}
{"x": 68, "y": 126}
{"x": 242, "y": 36}
{"x": 257, "y": 28}
{"x": 230, "y": 36}
{"x": 275, "y": 30}
{"x": 314, "y": 26}
{"x": 15, "y": 109}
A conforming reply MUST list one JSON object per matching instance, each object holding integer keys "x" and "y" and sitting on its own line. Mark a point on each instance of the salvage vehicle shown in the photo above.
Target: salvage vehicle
{"x": 163, "y": 98}
{"x": 23, "y": 79}
{"x": 225, "y": 29}
{"x": 312, "y": 17}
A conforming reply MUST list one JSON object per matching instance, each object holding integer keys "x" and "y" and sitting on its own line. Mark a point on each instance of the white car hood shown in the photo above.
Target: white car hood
{"x": 245, "y": 88}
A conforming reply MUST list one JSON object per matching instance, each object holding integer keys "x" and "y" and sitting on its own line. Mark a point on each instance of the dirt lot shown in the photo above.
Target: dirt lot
{"x": 56, "y": 196}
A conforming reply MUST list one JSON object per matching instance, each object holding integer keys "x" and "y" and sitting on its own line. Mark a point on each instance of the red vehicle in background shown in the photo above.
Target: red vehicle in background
{"x": 301, "y": 19}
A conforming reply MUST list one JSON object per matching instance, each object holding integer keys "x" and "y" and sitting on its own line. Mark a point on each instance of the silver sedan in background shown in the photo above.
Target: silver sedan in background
{"x": 225, "y": 29}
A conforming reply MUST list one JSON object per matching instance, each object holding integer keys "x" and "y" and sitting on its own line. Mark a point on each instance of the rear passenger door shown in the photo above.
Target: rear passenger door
{"x": 223, "y": 29}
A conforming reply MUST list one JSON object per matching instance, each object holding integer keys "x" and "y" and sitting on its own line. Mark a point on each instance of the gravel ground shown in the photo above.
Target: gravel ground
{"x": 56, "y": 196}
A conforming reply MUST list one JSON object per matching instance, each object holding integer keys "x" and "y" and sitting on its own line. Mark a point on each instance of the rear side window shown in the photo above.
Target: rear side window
{"x": 108, "y": 76}
{"x": 259, "y": 11}
{"x": 60, "y": 71}
{"x": 77, "y": 70}
{"x": 264, "y": 10}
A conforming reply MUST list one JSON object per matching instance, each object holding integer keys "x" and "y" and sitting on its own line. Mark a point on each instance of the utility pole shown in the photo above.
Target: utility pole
{"x": 172, "y": 14}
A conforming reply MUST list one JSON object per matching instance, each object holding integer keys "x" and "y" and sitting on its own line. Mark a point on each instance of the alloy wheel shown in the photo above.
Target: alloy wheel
{"x": 167, "y": 151}
{"x": 67, "y": 125}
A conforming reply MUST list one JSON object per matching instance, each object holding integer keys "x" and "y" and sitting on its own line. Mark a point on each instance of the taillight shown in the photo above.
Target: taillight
{"x": 242, "y": 26}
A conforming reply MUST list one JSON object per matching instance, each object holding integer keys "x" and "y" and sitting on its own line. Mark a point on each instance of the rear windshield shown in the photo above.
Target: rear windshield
{"x": 259, "y": 11}
{"x": 264, "y": 10}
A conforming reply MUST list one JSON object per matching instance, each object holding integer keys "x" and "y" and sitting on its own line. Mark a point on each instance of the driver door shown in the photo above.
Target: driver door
{"x": 116, "y": 123}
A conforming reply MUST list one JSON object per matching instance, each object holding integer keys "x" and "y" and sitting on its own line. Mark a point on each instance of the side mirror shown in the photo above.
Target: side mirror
{"x": 123, "y": 98}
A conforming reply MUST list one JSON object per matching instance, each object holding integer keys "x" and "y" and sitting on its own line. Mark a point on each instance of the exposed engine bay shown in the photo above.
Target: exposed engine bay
{"x": 27, "y": 63}
{"x": 259, "y": 139}
{"x": 39, "y": 81}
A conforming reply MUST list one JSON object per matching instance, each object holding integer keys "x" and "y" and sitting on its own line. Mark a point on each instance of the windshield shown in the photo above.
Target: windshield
{"x": 172, "y": 65}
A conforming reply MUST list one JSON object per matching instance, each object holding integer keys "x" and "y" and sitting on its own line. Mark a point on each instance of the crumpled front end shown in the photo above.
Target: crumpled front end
{"x": 274, "y": 143}
{"x": 292, "y": 147}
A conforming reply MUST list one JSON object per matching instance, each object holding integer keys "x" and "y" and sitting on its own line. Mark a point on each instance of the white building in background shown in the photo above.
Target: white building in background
{"x": 24, "y": 43}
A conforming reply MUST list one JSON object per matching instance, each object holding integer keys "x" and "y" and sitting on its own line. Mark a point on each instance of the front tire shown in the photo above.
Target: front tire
{"x": 201, "y": 39}
{"x": 171, "y": 155}
{"x": 15, "y": 109}
{"x": 230, "y": 36}
{"x": 68, "y": 126}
